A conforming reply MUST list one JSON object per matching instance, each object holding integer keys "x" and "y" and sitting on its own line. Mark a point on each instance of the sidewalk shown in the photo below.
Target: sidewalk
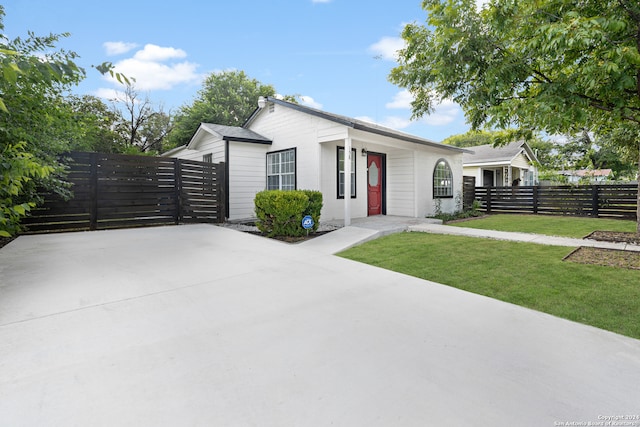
{"x": 521, "y": 237}
{"x": 364, "y": 229}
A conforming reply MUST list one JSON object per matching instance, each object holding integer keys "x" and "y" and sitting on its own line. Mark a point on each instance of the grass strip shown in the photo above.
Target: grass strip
{"x": 526, "y": 274}
{"x": 550, "y": 225}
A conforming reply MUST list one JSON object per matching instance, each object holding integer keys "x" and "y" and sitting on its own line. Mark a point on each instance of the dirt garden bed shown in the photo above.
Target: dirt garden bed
{"x": 608, "y": 257}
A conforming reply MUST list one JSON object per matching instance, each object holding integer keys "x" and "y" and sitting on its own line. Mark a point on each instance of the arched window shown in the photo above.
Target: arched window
{"x": 442, "y": 180}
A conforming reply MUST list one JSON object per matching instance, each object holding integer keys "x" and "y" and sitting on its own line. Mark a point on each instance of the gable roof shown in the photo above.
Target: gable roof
{"x": 234, "y": 133}
{"x": 503, "y": 154}
{"x": 356, "y": 124}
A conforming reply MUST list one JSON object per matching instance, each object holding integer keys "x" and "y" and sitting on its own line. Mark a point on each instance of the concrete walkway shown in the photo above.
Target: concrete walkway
{"x": 365, "y": 229}
{"x": 520, "y": 237}
{"x": 199, "y": 325}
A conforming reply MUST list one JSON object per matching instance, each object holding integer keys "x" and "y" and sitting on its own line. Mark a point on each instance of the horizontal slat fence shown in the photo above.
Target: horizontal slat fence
{"x": 121, "y": 191}
{"x": 598, "y": 201}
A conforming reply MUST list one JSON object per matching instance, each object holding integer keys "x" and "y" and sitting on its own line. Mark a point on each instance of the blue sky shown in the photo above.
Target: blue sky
{"x": 335, "y": 54}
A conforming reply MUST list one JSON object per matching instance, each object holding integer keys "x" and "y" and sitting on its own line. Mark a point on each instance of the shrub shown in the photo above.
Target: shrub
{"x": 280, "y": 212}
{"x": 314, "y": 207}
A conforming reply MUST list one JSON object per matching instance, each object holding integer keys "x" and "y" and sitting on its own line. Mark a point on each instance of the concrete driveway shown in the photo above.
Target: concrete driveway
{"x": 200, "y": 325}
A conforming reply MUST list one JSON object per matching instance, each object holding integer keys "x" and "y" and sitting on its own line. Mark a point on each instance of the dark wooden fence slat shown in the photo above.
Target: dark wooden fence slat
{"x": 118, "y": 191}
{"x": 598, "y": 201}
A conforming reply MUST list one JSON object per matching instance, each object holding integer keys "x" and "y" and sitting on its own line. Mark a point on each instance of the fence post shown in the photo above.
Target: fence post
{"x": 93, "y": 185}
{"x": 488, "y": 204}
{"x": 221, "y": 191}
{"x": 535, "y": 199}
{"x": 177, "y": 172}
{"x": 595, "y": 200}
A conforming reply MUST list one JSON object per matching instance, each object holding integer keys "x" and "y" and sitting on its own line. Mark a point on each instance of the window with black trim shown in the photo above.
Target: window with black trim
{"x": 281, "y": 170}
{"x": 341, "y": 173}
{"x": 208, "y": 158}
{"x": 442, "y": 180}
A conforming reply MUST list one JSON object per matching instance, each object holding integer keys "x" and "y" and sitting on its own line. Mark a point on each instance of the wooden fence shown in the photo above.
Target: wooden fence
{"x": 120, "y": 191}
{"x": 598, "y": 201}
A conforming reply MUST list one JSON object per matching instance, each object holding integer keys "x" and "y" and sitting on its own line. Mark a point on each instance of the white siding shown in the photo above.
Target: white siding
{"x": 520, "y": 162}
{"x": 208, "y": 144}
{"x": 426, "y": 203}
{"x": 333, "y": 208}
{"x": 288, "y": 128}
{"x": 247, "y": 176}
{"x": 400, "y": 183}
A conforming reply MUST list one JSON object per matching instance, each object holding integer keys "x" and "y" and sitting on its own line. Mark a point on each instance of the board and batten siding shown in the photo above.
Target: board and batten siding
{"x": 400, "y": 183}
{"x": 521, "y": 162}
{"x": 247, "y": 176}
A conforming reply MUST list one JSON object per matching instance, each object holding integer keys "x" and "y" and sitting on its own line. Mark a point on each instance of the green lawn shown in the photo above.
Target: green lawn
{"x": 548, "y": 224}
{"x": 526, "y": 274}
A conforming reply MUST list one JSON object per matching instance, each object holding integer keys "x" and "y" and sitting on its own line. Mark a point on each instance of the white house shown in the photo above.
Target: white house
{"x": 503, "y": 166}
{"x": 289, "y": 146}
{"x": 593, "y": 176}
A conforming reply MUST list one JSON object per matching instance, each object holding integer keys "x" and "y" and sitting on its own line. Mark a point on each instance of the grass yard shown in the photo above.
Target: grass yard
{"x": 566, "y": 226}
{"x": 526, "y": 274}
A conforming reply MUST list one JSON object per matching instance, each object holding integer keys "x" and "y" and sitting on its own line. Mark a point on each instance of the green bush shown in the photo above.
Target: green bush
{"x": 314, "y": 207}
{"x": 280, "y": 212}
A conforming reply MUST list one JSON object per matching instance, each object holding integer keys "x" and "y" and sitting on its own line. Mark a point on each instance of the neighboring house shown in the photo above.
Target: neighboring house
{"x": 290, "y": 146}
{"x": 512, "y": 164}
{"x": 590, "y": 175}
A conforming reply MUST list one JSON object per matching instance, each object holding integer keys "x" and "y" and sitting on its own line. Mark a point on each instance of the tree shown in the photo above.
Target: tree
{"x": 94, "y": 126}
{"x": 548, "y": 65}
{"x": 141, "y": 128}
{"x": 469, "y": 139}
{"x": 226, "y": 98}
{"x": 32, "y": 112}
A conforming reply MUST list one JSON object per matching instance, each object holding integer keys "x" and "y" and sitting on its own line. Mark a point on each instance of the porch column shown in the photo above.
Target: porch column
{"x": 347, "y": 181}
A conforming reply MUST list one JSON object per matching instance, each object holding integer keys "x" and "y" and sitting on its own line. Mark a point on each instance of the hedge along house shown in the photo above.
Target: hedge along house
{"x": 362, "y": 169}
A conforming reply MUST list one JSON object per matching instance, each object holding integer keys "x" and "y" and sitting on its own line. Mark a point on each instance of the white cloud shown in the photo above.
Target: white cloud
{"x": 446, "y": 112}
{"x": 152, "y": 68}
{"x": 118, "y": 48}
{"x": 109, "y": 94}
{"x": 310, "y": 102}
{"x": 401, "y": 101}
{"x": 152, "y": 52}
{"x": 387, "y": 47}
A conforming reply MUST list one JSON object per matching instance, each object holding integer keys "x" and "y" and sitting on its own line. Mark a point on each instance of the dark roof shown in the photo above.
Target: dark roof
{"x": 358, "y": 124}
{"x": 488, "y": 153}
{"x": 235, "y": 133}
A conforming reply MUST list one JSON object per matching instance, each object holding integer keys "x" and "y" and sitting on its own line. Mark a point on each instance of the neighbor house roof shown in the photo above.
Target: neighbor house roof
{"x": 487, "y": 153}
{"x": 358, "y": 124}
{"x": 588, "y": 172}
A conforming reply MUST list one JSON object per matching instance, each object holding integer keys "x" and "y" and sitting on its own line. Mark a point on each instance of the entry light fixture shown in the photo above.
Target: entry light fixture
{"x": 364, "y": 152}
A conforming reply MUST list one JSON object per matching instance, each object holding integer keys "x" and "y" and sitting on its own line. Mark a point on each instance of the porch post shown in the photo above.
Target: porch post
{"x": 347, "y": 181}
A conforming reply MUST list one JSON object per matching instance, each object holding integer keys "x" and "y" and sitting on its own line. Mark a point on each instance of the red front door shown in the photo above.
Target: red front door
{"x": 374, "y": 184}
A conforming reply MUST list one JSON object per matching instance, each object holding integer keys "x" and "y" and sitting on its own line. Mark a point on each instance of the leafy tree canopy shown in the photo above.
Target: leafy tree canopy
{"x": 548, "y": 65}
{"x": 226, "y": 98}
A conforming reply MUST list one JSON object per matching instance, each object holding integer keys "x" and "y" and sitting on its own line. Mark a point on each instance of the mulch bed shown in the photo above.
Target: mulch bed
{"x": 608, "y": 257}
{"x": 288, "y": 239}
{"x": 5, "y": 241}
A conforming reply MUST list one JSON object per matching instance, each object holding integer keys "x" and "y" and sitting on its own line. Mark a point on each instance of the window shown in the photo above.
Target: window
{"x": 341, "y": 173}
{"x": 207, "y": 158}
{"x": 442, "y": 180}
{"x": 281, "y": 170}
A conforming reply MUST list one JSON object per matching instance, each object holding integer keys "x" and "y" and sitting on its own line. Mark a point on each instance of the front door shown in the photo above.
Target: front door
{"x": 374, "y": 184}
